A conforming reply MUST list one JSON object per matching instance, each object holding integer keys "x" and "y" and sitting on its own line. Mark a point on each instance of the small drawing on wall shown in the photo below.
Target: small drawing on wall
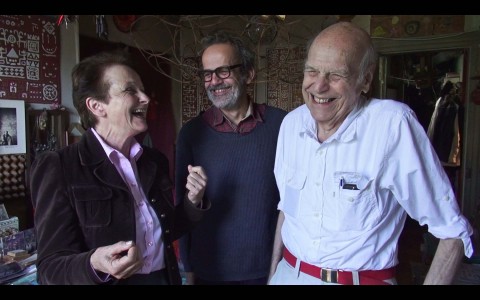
{"x": 12, "y": 127}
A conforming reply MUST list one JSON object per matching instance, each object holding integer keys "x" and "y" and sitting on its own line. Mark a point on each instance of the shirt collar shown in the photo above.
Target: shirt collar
{"x": 345, "y": 133}
{"x": 135, "y": 149}
{"x": 254, "y": 110}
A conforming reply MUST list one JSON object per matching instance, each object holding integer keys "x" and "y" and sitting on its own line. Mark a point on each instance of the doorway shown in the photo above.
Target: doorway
{"x": 160, "y": 119}
{"x": 416, "y": 78}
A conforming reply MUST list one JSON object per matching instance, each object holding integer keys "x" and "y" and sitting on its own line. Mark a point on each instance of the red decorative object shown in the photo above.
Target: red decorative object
{"x": 60, "y": 19}
{"x": 124, "y": 23}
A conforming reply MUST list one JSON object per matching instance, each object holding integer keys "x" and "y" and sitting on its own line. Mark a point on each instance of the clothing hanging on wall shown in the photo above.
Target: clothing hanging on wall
{"x": 444, "y": 132}
{"x": 421, "y": 101}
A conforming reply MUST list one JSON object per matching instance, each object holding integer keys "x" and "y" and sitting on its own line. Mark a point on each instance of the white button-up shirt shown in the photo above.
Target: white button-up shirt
{"x": 346, "y": 200}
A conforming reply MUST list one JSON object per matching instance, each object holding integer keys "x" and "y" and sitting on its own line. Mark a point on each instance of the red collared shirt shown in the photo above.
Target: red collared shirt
{"x": 217, "y": 120}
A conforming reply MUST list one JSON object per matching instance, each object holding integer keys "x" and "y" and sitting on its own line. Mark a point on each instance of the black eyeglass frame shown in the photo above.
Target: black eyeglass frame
{"x": 217, "y": 71}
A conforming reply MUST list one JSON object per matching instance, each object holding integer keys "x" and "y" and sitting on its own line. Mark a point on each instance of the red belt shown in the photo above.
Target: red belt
{"x": 369, "y": 277}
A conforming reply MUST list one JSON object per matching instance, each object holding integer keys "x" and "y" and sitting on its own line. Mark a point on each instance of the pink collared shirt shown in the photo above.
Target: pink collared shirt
{"x": 148, "y": 229}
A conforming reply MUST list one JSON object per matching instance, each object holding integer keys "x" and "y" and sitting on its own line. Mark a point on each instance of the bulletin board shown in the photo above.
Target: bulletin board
{"x": 30, "y": 59}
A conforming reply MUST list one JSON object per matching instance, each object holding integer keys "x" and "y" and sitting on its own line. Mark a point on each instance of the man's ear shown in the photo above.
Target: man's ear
{"x": 96, "y": 107}
{"x": 368, "y": 79}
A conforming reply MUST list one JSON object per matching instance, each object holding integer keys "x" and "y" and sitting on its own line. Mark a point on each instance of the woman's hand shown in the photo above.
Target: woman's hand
{"x": 120, "y": 260}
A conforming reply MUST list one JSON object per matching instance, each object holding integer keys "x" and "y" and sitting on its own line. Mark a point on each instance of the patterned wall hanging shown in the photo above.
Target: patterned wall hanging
{"x": 284, "y": 77}
{"x": 194, "y": 97}
{"x": 30, "y": 59}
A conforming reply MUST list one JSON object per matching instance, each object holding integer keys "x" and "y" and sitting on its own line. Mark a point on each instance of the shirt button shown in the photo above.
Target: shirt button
{"x": 350, "y": 199}
{"x": 162, "y": 216}
{"x": 167, "y": 231}
{"x": 316, "y": 215}
{"x": 150, "y": 244}
{"x": 153, "y": 200}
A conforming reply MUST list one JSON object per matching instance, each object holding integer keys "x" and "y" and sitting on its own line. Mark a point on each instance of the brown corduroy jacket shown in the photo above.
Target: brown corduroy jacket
{"x": 81, "y": 203}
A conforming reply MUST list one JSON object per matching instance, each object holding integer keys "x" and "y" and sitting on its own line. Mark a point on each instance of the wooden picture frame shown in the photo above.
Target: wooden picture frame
{"x": 47, "y": 131}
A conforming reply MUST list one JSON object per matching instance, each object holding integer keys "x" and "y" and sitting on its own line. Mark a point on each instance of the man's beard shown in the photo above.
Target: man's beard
{"x": 229, "y": 100}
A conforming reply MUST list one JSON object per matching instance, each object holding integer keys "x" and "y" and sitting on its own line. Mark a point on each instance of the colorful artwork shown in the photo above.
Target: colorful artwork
{"x": 402, "y": 26}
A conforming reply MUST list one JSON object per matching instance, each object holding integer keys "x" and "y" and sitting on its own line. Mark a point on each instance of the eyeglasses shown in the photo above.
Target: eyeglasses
{"x": 221, "y": 72}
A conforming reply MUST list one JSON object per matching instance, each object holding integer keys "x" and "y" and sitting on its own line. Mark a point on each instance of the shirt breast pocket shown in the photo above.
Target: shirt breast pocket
{"x": 294, "y": 184}
{"x": 356, "y": 208}
{"x": 94, "y": 205}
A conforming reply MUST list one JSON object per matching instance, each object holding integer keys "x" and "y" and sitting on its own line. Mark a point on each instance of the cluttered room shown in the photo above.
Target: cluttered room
{"x": 418, "y": 56}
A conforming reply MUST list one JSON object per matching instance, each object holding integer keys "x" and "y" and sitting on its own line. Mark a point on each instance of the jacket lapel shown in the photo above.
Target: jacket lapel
{"x": 103, "y": 169}
{"x": 146, "y": 171}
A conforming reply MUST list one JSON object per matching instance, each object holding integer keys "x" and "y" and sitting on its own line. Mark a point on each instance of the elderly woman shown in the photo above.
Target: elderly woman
{"x": 104, "y": 210}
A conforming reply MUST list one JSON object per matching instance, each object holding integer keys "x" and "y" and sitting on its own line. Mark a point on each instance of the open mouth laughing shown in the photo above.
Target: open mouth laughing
{"x": 322, "y": 100}
{"x": 140, "y": 113}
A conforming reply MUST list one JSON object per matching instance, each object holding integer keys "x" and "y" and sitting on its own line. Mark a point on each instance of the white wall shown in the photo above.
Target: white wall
{"x": 70, "y": 56}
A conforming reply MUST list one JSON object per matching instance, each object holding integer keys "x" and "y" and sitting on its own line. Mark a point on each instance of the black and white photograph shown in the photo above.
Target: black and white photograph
{"x": 12, "y": 127}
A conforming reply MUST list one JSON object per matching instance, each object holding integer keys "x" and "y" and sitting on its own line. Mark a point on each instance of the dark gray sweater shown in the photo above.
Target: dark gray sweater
{"x": 235, "y": 238}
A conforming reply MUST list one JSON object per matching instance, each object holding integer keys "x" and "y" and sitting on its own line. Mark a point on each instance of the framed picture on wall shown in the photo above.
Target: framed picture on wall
{"x": 12, "y": 127}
